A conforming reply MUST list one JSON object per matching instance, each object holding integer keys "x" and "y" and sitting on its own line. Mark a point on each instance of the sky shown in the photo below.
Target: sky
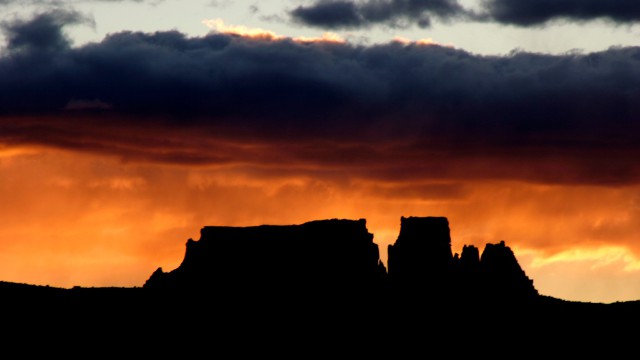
{"x": 128, "y": 125}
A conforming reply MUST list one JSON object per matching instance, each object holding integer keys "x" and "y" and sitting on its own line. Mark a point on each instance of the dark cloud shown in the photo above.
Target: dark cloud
{"x": 535, "y": 12}
{"x": 351, "y": 14}
{"x": 333, "y": 14}
{"x": 393, "y": 112}
{"x": 357, "y": 14}
{"x": 43, "y": 32}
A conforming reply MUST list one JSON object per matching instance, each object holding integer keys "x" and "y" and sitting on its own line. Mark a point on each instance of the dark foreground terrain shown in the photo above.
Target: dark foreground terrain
{"x": 320, "y": 289}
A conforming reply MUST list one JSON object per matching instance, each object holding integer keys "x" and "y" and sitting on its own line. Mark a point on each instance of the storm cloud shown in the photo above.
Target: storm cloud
{"x": 392, "y": 112}
{"x": 350, "y": 14}
{"x": 535, "y": 12}
{"x": 333, "y": 14}
{"x": 43, "y": 32}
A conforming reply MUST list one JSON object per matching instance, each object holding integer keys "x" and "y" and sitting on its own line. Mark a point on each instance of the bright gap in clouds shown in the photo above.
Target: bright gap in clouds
{"x": 481, "y": 38}
{"x": 219, "y": 26}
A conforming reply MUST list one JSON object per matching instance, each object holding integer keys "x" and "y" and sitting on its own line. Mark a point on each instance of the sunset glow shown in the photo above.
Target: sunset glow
{"x": 241, "y": 30}
{"x": 130, "y": 218}
{"x": 218, "y": 25}
{"x": 325, "y": 37}
{"x": 424, "y": 41}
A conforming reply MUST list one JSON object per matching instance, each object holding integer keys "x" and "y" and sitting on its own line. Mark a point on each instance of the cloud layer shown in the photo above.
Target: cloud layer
{"x": 352, "y": 14}
{"x": 535, "y": 12}
{"x": 346, "y": 14}
{"x": 42, "y": 33}
{"x": 392, "y": 112}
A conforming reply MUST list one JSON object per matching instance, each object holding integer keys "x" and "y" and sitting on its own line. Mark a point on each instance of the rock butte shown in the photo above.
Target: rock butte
{"x": 338, "y": 257}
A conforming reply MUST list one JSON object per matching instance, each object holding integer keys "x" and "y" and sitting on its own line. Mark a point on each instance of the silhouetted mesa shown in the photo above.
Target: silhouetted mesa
{"x": 421, "y": 266}
{"x": 318, "y": 257}
{"x": 420, "y": 261}
{"x": 338, "y": 258}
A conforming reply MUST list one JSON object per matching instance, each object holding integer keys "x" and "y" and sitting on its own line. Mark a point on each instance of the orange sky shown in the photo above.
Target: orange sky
{"x": 70, "y": 218}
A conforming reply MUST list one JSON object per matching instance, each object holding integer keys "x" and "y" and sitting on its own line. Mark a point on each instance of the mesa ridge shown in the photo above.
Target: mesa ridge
{"x": 339, "y": 256}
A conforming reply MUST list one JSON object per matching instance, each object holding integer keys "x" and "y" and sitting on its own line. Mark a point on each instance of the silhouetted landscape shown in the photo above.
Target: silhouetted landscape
{"x": 127, "y": 126}
{"x": 325, "y": 274}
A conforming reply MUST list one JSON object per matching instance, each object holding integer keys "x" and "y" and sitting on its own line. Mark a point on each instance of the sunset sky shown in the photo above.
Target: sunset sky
{"x": 126, "y": 126}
